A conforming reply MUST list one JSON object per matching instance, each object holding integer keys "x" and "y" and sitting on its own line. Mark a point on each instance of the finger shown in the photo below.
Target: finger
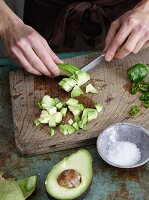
{"x": 35, "y": 61}
{"x": 118, "y": 40}
{"x": 44, "y": 56}
{"x": 53, "y": 55}
{"x": 129, "y": 45}
{"x": 20, "y": 59}
{"x": 146, "y": 45}
{"x": 139, "y": 45}
{"x": 111, "y": 33}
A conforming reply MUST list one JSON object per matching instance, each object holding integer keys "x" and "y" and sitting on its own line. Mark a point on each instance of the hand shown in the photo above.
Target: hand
{"x": 129, "y": 33}
{"x": 30, "y": 49}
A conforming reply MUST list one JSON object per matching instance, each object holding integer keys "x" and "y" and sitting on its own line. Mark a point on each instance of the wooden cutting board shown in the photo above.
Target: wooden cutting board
{"x": 110, "y": 79}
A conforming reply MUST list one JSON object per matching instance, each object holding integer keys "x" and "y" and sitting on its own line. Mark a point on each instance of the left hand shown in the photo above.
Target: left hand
{"x": 128, "y": 34}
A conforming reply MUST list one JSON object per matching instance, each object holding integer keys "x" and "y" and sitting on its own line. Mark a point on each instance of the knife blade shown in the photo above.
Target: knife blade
{"x": 93, "y": 64}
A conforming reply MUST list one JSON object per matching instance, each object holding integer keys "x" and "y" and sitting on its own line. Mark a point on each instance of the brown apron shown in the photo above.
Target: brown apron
{"x": 74, "y": 25}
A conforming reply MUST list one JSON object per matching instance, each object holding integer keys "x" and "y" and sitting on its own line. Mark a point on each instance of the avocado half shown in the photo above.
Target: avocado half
{"x": 79, "y": 163}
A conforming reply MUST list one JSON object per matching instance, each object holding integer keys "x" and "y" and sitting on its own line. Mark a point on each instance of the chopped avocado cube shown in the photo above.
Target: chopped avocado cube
{"x": 91, "y": 113}
{"x": 98, "y": 107}
{"x": 76, "y": 126}
{"x": 65, "y": 86}
{"x": 70, "y": 121}
{"x": 52, "y": 124}
{"x": 59, "y": 105}
{"x": 55, "y": 119}
{"x": 44, "y": 117}
{"x": 52, "y": 132}
{"x": 27, "y": 185}
{"x": 86, "y": 110}
{"x": 83, "y": 122}
{"x": 76, "y": 118}
{"x": 72, "y": 102}
{"x": 70, "y": 129}
{"x": 84, "y": 119}
{"x": 63, "y": 129}
{"x": 46, "y": 103}
{"x": 76, "y": 91}
{"x": 67, "y": 129}
{"x": 81, "y": 77}
{"x": 91, "y": 89}
{"x": 81, "y": 161}
{"x": 37, "y": 122}
{"x": 68, "y": 69}
{"x": 80, "y": 106}
{"x": 75, "y": 111}
{"x": 58, "y": 117}
{"x": 56, "y": 101}
{"x": 71, "y": 81}
{"x": 82, "y": 125}
{"x": 52, "y": 110}
{"x": 63, "y": 111}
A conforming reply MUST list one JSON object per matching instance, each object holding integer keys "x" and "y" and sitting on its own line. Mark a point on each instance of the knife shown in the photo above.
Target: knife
{"x": 93, "y": 64}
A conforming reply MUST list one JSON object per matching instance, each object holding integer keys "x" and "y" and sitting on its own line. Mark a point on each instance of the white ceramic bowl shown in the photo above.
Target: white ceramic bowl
{"x": 125, "y": 132}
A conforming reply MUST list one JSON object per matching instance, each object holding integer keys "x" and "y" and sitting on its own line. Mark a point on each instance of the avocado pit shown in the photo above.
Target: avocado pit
{"x": 69, "y": 179}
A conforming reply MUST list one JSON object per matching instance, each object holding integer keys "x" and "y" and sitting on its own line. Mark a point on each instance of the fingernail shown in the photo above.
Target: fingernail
{"x": 108, "y": 58}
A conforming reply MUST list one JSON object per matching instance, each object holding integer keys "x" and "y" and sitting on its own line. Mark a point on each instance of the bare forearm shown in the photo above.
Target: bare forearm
{"x": 7, "y": 17}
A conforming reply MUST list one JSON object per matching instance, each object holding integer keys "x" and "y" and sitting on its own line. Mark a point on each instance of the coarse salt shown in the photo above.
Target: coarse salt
{"x": 123, "y": 153}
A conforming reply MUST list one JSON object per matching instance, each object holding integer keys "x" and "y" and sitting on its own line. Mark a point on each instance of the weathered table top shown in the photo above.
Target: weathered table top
{"x": 109, "y": 183}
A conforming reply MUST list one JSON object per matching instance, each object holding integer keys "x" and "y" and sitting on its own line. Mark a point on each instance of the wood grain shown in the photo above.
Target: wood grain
{"x": 113, "y": 87}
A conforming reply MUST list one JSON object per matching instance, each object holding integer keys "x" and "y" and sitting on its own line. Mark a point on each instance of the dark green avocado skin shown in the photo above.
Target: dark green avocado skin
{"x": 79, "y": 198}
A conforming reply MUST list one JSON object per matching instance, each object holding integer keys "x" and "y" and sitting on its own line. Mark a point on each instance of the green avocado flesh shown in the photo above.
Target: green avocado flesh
{"x": 27, "y": 185}
{"x": 17, "y": 190}
{"x": 76, "y": 91}
{"x": 67, "y": 69}
{"x": 91, "y": 89}
{"x": 81, "y": 161}
{"x": 54, "y": 111}
{"x": 76, "y": 78}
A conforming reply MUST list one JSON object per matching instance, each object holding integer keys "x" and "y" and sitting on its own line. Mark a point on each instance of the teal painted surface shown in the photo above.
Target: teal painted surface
{"x": 109, "y": 183}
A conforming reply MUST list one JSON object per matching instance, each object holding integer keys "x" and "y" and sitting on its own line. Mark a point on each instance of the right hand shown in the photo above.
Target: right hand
{"x": 30, "y": 49}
